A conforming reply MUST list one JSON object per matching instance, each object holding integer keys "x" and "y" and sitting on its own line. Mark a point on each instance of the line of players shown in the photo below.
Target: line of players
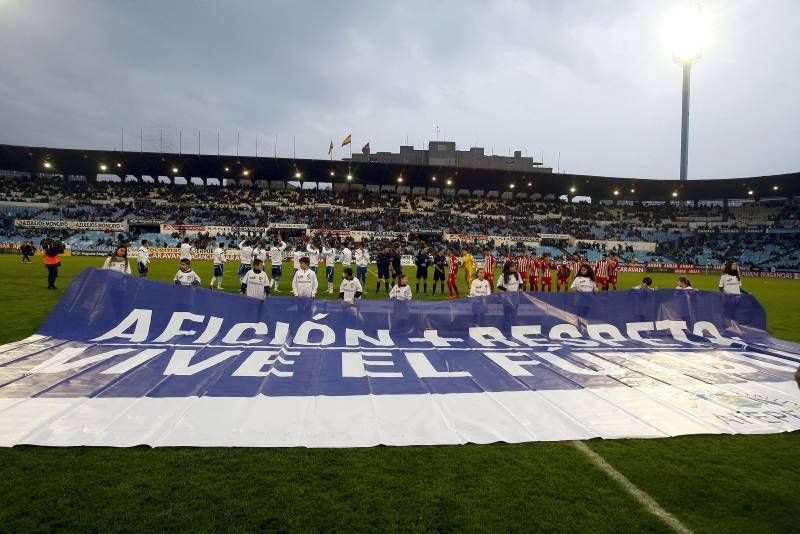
{"x": 536, "y": 272}
{"x": 256, "y": 283}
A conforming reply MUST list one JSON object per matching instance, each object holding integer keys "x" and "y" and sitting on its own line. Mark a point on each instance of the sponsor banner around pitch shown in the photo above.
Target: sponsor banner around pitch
{"x": 288, "y": 226}
{"x": 124, "y": 361}
{"x": 482, "y": 238}
{"x": 719, "y": 229}
{"x": 660, "y": 265}
{"x": 630, "y": 269}
{"x": 183, "y": 228}
{"x": 160, "y": 253}
{"x": 216, "y": 229}
{"x": 528, "y": 240}
{"x": 772, "y": 274}
{"x": 104, "y": 226}
{"x": 362, "y": 235}
{"x": 105, "y": 251}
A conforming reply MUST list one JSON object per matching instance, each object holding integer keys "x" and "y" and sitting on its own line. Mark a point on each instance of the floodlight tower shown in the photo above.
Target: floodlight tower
{"x": 685, "y": 28}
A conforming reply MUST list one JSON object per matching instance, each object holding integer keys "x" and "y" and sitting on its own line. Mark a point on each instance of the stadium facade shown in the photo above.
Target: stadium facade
{"x": 445, "y": 154}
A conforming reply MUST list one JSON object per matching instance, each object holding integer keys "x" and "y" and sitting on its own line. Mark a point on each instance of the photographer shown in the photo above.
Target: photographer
{"x": 52, "y": 259}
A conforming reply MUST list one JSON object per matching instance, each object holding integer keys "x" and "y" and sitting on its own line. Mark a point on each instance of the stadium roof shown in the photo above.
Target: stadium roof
{"x": 89, "y": 163}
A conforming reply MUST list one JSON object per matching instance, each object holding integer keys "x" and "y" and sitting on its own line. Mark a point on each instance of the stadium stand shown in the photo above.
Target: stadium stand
{"x": 761, "y": 233}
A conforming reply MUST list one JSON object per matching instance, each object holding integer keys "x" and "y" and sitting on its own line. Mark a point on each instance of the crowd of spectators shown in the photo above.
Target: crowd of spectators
{"x": 700, "y": 234}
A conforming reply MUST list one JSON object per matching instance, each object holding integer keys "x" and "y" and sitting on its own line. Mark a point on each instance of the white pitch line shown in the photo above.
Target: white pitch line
{"x": 642, "y": 497}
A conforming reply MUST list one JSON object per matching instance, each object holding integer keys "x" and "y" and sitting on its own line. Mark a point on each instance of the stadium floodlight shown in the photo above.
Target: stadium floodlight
{"x": 449, "y": 182}
{"x": 333, "y": 173}
{"x": 400, "y": 179}
{"x": 227, "y": 169}
{"x": 48, "y": 165}
{"x": 103, "y": 166}
{"x": 530, "y": 184}
{"x": 750, "y": 192}
{"x": 433, "y": 178}
{"x": 674, "y": 194}
{"x": 571, "y": 189}
{"x": 349, "y": 177}
{"x": 174, "y": 170}
{"x": 119, "y": 165}
{"x": 245, "y": 172}
{"x": 511, "y": 186}
{"x": 685, "y": 34}
{"x": 774, "y": 187}
{"x": 298, "y": 175}
{"x": 616, "y": 192}
{"x": 633, "y": 190}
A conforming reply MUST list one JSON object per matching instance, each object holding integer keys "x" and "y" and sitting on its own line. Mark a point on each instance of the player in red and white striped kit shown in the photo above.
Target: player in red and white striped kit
{"x": 562, "y": 275}
{"x": 613, "y": 268}
{"x": 575, "y": 265}
{"x": 546, "y": 271}
{"x": 489, "y": 264}
{"x": 523, "y": 263}
{"x": 601, "y": 271}
{"x": 452, "y": 269}
{"x": 533, "y": 271}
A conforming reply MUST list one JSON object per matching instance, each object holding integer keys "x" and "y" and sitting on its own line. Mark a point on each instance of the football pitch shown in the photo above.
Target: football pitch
{"x": 709, "y": 483}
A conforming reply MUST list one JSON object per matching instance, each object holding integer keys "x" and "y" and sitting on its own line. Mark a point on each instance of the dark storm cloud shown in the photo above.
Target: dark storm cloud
{"x": 589, "y": 79}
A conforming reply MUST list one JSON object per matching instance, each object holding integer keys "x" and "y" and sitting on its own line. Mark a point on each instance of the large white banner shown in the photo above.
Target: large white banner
{"x": 124, "y": 361}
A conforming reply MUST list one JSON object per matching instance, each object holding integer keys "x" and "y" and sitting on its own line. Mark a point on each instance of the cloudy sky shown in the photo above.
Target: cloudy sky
{"x": 592, "y": 80}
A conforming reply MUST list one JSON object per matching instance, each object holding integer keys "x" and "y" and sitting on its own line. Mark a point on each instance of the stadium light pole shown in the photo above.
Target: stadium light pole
{"x": 685, "y": 35}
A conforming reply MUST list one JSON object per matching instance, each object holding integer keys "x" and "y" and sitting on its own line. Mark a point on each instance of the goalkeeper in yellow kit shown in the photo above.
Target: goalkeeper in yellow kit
{"x": 469, "y": 266}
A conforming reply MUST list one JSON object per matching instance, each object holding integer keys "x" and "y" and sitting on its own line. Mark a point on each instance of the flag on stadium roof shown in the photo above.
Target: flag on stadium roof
{"x": 347, "y": 140}
{"x": 330, "y": 148}
{"x": 365, "y": 148}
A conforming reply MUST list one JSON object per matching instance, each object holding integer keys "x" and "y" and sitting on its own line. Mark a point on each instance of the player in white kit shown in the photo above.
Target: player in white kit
{"x": 329, "y": 257}
{"x": 218, "y": 259}
{"x": 362, "y": 262}
{"x": 276, "y": 259}
{"x": 245, "y": 257}
{"x": 260, "y": 252}
{"x": 313, "y": 256}
{"x": 143, "y": 258}
{"x": 187, "y": 250}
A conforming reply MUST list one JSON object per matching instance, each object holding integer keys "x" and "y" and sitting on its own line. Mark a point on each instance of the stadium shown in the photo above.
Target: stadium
{"x": 435, "y": 339}
{"x": 696, "y": 225}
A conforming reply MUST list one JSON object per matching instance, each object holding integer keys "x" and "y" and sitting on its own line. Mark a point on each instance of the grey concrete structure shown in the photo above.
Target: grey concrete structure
{"x": 445, "y": 154}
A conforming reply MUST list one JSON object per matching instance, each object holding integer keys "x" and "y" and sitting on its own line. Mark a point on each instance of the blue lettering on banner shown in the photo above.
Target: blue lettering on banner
{"x": 120, "y": 336}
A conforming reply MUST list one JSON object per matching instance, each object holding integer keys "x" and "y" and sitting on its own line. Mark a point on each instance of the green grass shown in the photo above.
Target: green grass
{"x": 711, "y": 483}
